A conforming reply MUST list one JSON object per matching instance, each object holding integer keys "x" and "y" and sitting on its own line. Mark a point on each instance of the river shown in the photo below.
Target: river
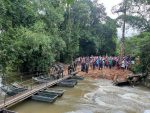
{"x": 93, "y": 96}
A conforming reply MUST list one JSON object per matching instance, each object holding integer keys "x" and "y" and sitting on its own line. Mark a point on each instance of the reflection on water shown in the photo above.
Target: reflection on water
{"x": 93, "y": 96}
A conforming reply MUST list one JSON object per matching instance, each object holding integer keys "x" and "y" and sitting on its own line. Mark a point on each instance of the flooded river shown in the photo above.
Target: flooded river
{"x": 93, "y": 96}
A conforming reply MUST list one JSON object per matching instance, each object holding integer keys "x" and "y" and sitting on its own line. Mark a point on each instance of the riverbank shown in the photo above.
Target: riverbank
{"x": 146, "y": 83}
{"x": 106, "y": 73}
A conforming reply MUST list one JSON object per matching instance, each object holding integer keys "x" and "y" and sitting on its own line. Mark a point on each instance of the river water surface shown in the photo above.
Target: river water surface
{"x": 93, "y": 96}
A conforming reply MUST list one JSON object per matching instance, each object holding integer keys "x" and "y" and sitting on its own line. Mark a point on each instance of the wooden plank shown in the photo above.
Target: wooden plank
{"x": 26, "y": 94}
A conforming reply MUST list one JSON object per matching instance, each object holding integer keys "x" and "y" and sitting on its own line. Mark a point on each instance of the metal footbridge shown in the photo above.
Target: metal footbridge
{"x": 10, "y": 101}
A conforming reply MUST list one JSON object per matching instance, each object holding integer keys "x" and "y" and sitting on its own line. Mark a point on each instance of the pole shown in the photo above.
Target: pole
{"x": 31, "y": 84}
{"x": 4, "y": 100}
{"x": 122, "y": 53}
{"x": 5, "y": 93}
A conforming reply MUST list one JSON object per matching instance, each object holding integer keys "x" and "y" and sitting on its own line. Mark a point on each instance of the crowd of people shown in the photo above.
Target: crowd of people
{"x": 101, "y": 62}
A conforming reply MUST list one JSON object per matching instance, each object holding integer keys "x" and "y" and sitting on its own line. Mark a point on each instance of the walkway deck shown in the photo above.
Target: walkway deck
{"x": 26, "y": 94}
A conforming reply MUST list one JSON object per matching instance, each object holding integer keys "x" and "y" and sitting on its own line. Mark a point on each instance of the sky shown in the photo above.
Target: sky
{"x": 108, "y": 5}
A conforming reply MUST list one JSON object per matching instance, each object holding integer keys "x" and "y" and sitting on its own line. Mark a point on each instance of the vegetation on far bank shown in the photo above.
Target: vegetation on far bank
{"x": 36, "y": 33}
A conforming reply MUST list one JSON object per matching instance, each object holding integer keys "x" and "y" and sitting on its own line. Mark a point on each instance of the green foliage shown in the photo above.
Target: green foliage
{"x": 132, "y": 46}
{"x": 69, "y": 1}
{"x": 36, "y": 33}
{"x": 145, "y": 51}
{"x": 26, "y": 48}
{"x": 88, "y": 26}
{"x": 137, "y": 13}
{"x": 140, "y": 46}
{"x": 16, "y": 13}
{"x": 87, "y": 47}
{"x": 136, "y": 68}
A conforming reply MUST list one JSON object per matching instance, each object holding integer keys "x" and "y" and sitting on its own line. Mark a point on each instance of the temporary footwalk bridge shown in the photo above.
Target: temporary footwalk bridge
{"x": 10, "y": 101}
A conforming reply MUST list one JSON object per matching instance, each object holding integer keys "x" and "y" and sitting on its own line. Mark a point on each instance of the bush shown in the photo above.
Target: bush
{"x": 136, "y": 68}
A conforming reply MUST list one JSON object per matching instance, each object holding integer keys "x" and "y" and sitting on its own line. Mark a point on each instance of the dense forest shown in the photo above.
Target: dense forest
{"x": 36, "y": 33}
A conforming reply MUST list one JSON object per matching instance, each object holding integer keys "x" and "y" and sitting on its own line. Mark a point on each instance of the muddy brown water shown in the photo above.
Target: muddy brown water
{"x": 92, "y": 96}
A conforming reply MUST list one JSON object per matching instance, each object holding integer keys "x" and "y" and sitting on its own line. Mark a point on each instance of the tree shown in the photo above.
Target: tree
{"x": 89, "y": 23}
{"x": 16, "y": 13}
{"x": 30, "y": 40}
{"x": 139, "y": 46}
{"x": 34, "y": 34}
{"x": 137, "y": 13}
{"x": 137, "y": 16}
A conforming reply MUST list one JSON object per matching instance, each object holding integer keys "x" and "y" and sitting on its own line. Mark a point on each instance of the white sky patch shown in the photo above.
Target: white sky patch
{"x": 129, "y": 32}
{"x": 108, "y": 5}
